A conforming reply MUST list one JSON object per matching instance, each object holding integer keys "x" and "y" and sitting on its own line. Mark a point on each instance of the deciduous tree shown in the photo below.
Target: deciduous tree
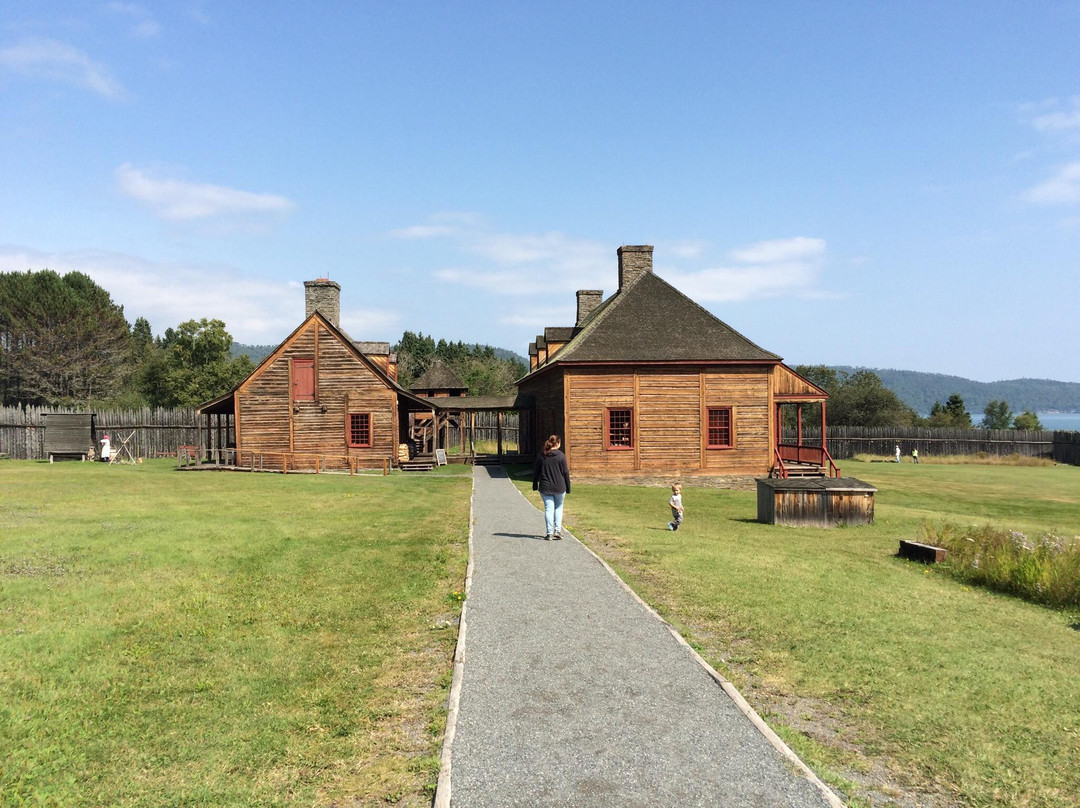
{"x": 1027, "y": 420}
{"x": 192, "y": 365}
{"x": 997, "y": 415}
{"x": 859, "y": 398}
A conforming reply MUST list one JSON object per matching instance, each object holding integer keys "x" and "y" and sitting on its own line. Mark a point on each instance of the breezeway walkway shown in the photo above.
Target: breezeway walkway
{"x": 572, "y": 693}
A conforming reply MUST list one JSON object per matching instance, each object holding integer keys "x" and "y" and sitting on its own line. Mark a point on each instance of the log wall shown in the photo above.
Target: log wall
{"x": 154, "y": 431}
{"x": 669, "y": 406}
{"x": 270, "y": 421}
{"x": 847, "y": 441}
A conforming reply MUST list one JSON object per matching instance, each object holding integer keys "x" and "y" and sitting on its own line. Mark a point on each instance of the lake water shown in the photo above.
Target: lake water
{"x": 1059, "y": 420}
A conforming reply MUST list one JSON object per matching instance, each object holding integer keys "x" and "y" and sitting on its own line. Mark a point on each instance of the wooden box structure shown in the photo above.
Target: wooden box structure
{"x": 815, "y": 502}
{"x": 68, "y": 434}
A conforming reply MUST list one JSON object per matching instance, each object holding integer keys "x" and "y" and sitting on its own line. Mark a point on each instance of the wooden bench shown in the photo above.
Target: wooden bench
{"x": 926, "y": 553}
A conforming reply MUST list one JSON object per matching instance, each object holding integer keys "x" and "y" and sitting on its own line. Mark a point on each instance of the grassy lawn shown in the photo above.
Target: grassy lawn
{"x": 891, "y": 679}
{"x": 206, "y": 638}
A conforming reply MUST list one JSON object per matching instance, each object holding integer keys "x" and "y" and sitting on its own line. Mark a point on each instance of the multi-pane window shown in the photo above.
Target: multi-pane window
{"x": 303, "y": 379}
{"x": 720, "y": 433}
{"x": 360, "y": 429}
{"x": 620, "y": 429}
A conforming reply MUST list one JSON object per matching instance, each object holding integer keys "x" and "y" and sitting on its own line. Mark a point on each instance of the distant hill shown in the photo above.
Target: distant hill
{"x": 503, "y": 353}
{"x": 256, "y": 353}
{"x": 921, "y": 390}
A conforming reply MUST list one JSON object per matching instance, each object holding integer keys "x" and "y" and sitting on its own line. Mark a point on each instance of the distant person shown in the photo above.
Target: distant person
{"x": 676, "y": 507}
{"x": 915, "y": 456}
{"x": 898, "y": 453}
{"x": 106, "y": 449}
{"x": 551, "y": 477}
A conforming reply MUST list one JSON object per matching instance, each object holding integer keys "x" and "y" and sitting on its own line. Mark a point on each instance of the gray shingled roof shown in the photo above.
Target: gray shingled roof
{"x": 652, "y": 321}
{"x": 438, "y": 377}
{"x": 559, "y": 333}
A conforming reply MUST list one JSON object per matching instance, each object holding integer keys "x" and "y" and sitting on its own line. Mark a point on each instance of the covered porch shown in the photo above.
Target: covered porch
{"x": 475, "y": 429}
{"x": 797, "y": 403}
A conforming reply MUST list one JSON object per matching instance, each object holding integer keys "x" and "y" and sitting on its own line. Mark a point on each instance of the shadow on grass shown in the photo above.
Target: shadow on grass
{"x": 1075, "y": 626}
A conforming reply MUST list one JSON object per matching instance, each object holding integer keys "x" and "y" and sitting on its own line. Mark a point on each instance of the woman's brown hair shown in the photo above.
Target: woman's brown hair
{"x": 551, "y": 443}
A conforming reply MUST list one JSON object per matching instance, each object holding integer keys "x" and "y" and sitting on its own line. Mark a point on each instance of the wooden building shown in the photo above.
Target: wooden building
{"x": 319, "y": 398}
{"x": 647, "y": 382}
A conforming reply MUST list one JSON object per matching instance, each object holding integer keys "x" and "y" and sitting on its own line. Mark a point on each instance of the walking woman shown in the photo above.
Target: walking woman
{"x": 551, "y": 477}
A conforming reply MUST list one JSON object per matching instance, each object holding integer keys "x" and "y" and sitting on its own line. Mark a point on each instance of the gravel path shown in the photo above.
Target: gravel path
{"x": 574, "y": 694}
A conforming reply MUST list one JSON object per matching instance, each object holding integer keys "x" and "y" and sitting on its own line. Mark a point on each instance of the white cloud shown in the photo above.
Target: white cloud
{"x": 515, "y": 263}
{"x": 541, "y": 264}
{"x": 255, "y": 311}
{"x": 538, "y": 318}
{"x": 370, "y": 324}
{"x": 143, "y": 24}
{"x": 422, "y": 231}
{"x": 1058, "y": 119}
{"x": 1063, "y": 187}
{"x": 684, "y": 249}
{"x": 764, "y": 269}
{"x": 56, "y": 61}
{"x": 179, "y": 200}
{"x": 785, "y": 249}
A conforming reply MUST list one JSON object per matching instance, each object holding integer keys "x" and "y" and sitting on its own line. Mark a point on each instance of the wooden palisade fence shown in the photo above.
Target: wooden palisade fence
{"x": 157, "y": 431}
{"x": 847, "y": 441}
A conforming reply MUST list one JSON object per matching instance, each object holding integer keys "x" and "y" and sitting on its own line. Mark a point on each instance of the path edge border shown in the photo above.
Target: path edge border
{"x": 744, "y": 706}
{"x": 442, "y": 786}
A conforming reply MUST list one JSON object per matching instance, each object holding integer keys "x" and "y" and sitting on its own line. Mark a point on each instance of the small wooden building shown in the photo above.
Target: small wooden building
{"x": 69, "y": 434}
{"x": 317, "y": 399}
{"x": 648, "y": 382}
{"x": 826, "y": 502}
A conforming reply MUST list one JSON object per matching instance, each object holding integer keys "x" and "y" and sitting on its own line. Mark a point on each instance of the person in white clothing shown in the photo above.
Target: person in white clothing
{"x": 105, "y": 448}
{"x": 898, "y": 453}
{"x": 676, "y": 507}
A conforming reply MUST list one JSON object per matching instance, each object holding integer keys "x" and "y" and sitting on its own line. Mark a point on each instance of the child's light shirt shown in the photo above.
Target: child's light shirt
{"x": 676, "y": 501}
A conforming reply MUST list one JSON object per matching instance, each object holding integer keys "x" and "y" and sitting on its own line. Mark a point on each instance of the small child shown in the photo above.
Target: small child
{"x": 676, "y": 507}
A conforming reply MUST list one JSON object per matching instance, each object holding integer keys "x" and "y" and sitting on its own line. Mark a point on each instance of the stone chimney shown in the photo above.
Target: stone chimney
{"x": 323, "y": 295}
{"x": 633, "y": 263}
{"x": 587, "y": 301}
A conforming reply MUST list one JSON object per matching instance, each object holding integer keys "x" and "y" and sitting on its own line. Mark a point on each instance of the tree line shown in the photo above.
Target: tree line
{"x": 861, "y": 398}
{"x": 65, "y": 342}
{"x": 480, "y": 367}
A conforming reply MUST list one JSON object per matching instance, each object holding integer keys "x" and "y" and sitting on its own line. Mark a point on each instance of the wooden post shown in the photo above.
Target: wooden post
{"x": 498, "y": 432}
{"x": 461, "y": 431}
{"x": 284, "y": 464}
{"x": 385, "y": 466}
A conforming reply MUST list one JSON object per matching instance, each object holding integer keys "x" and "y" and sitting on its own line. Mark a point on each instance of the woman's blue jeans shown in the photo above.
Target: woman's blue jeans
{"x": 553, "y": 511}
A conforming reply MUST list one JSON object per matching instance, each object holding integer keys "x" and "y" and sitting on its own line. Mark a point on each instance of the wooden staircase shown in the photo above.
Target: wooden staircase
{"x": 419, "y": 463}
{"x": 800, "y": 470}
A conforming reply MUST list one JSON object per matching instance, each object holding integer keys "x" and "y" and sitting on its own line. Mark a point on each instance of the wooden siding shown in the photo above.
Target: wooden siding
{"x": 547, "y": 415}
{"x": 271, "y": 422}
{"x": 670, "y": 406}
{"x": 746, "y": 391}
{"x": 788, "y": 384}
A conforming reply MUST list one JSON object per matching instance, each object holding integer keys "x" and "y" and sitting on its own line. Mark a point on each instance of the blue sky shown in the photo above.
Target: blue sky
{"x": 889, "y": 185}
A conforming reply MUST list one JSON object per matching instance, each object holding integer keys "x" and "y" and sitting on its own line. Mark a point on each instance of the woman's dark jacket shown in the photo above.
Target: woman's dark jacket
{"x": 551, "y": 474}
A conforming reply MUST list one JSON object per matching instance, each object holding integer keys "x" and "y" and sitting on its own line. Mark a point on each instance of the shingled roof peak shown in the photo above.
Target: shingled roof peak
{"x": 439, "y": 376}
{"x": 649, "y": 320}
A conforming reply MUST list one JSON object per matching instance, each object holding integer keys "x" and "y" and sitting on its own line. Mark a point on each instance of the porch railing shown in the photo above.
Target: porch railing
{"x": 814, "y": 455}
{"x": 284, "y": 462}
